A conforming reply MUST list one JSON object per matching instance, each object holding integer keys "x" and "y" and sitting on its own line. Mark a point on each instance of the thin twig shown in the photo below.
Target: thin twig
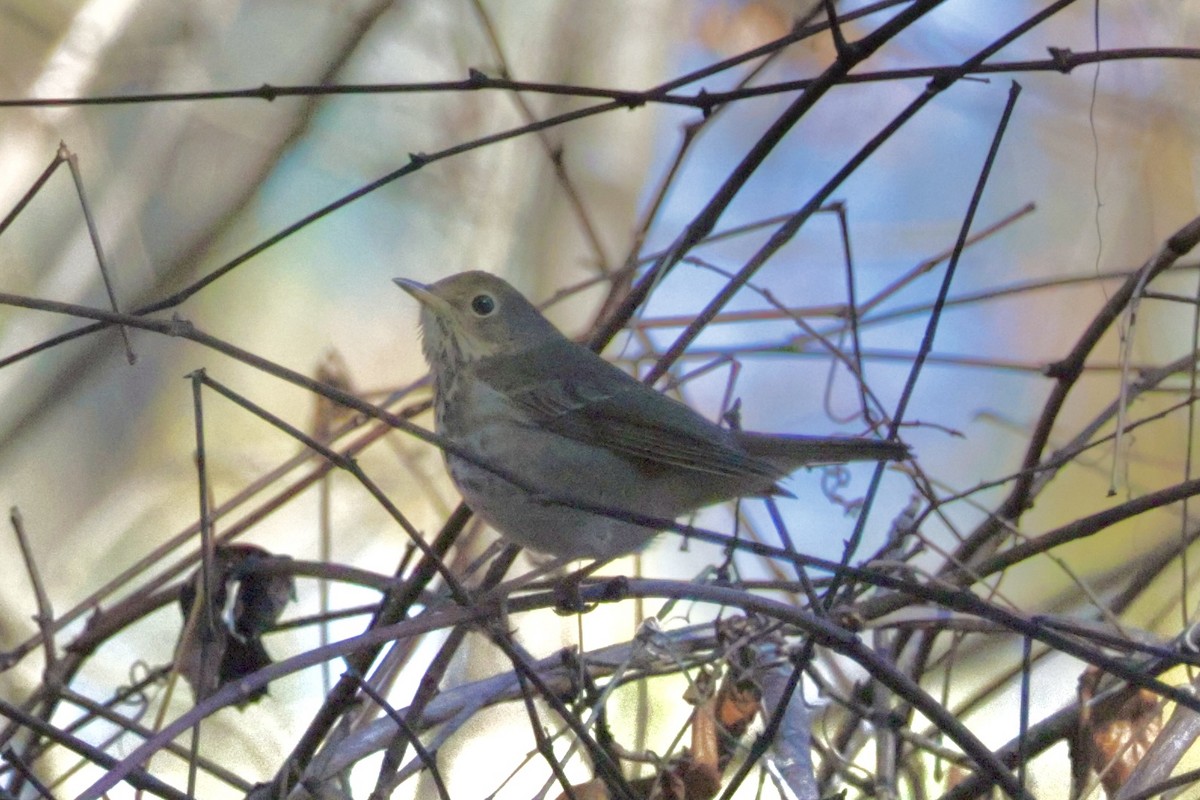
{"x": 45, "y": 612}
{"x": 94, "y": 233}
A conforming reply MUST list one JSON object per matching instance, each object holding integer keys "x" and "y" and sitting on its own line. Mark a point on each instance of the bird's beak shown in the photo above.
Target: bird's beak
{"x": 422, "y": 295}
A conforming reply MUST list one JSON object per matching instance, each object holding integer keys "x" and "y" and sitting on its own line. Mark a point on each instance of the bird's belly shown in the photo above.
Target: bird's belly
{"x": 555, "y": 469}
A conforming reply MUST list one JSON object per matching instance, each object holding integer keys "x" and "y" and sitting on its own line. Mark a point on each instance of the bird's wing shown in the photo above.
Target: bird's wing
{"x": 578, "y": 395}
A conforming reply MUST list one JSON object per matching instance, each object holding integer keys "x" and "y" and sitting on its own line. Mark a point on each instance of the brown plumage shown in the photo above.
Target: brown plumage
{"x": 512, "y": 389}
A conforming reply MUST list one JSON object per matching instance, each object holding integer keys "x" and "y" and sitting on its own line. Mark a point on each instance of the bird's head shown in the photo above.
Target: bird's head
{"x": 475, "y": 315}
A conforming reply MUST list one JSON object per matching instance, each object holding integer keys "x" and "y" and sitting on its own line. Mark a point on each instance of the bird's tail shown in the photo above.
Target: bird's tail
{"x": 791, "y": 451}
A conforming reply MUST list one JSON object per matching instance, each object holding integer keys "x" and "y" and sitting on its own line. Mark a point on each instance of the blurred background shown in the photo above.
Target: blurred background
{"x": 99, "y": 455}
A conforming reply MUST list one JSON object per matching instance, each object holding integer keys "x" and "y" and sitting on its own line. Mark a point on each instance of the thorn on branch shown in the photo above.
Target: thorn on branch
{"x": 180, "y": 326}
{"x": 418, "y": 159}
{"x": 614, "y": 590}
{"x": 476, "y": 79}
{"x": 846, "y": 52}
{"x": 1063, "y": 59}
{"x": 268, "y": 92}
{"x": 1062, "y": 370}
{"x": 631, "y": 100}
{"x": 940, "y": 82}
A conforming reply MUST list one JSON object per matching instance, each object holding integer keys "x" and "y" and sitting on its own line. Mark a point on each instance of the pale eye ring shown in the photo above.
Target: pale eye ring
{"x": 483, "y": 305}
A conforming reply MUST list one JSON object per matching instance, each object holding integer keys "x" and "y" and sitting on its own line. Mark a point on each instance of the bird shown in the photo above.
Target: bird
{"x": 577, "y": 434}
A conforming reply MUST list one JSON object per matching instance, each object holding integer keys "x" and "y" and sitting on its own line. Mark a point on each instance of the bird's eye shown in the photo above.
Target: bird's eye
{"x": 483, "y": 305}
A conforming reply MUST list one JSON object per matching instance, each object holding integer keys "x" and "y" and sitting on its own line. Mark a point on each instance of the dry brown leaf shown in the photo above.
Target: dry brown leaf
{"x": 1115, "y": 737}
{"x": 327, "y": 414}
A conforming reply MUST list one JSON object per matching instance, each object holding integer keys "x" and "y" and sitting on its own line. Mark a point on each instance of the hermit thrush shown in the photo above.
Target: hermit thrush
{"x": 511, "y": 389}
